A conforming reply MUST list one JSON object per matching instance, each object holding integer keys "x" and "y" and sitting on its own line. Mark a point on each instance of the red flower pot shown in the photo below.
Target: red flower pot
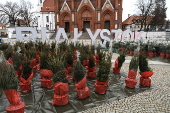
{"x": 116, "y": 70}
{"x": 81, "y": 84}
{"x": 61, "y": 88}
{"x": 91, "y": 74}
{"x": 16, "y": 108}
{"x": 146, "y": 74}
{"x": 81, "y": 89}
{"x": 13, "y": 96}
{"x": 100, "y": 87}
{"x": 14, "y": 99}
{"x": 162, "y": 55}
{"x": 60, "y": 100}
{"x": 46, "y": 83}
{"x": 168, "y": 56}
{"x": 45, "y": 73}
{"x": 131, "y": 52}
{"x": 90, "y": 69}
{"x": 150, "y": 54}
{"x": 25, "y": 87}
{"x": 132, "y": 74}
{"x": 131, "y": 83}
{"x": 83, "y": 93}
{"x": 60, "y": 94}
{"x": 85, "y": 62}
{"x": 145, "y": 81}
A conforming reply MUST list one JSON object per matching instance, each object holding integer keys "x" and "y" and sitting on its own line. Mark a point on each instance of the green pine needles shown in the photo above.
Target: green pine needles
{"x": 103, "y": 72}
{"x": 26, "y": 69}
{"x": 134, "y": 64}
{"x": 79, "y": 72}
{"x": 143, "y": 64}
{"x": 121, "y": 59}
{"x": 8, "y": 79}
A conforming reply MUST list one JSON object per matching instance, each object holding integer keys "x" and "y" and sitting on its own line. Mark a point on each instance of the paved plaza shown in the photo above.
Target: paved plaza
{"x": 156, "y": 100}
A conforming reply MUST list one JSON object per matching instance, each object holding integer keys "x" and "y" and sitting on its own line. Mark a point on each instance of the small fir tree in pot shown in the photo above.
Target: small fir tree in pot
{"x": 25, "y": 79}
{"x": 133, "y": 67}
{"x": 79, "y": 75}
{"x": 45, "y": 72}
{"x": 91, "y": 67}
{"x": 119, "y": 62}
{"x": 59, "y": 79}
{"x": 9, "y": 84}
{"x": 8, "y": 54}
{"x": 145, "y": 71}
{"x": 102, "y": 77}
{"x": 17, "y": 58}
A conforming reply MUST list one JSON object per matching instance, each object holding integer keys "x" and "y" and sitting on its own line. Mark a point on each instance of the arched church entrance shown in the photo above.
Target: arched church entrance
{"x": 107, "y": 24}
{"x": 86, "y": 17}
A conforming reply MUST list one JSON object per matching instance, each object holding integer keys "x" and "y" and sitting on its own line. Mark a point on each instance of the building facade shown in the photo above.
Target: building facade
{"x": 3, "y": 30}
{"x": 81, "y": 14}
{"x": 133, "y": 22}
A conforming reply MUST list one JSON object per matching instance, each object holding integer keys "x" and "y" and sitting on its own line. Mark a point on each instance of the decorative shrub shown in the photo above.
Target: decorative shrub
{"x": 79, "y": 72}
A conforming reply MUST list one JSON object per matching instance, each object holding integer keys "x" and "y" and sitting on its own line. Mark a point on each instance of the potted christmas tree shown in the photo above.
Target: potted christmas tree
{"x": 102, "y": 77}
{"x": 168, "y": 52}
{"x": 151, "y": 51}
{"x": 118, "y": 63}
{"x": 162, "y": 48}
{"x": 59, "y": 79}
{"x": 17, "y": 58}
{"x": 91, "y": 67}
{"x": 145, "y": 71}
{"x": 46, "y": 74}
{"x": 9, "y": 83}
{"x": 133, "y": 67}
{"x": 79, "y": 75}
{"x": 25, "y": 78}
{"x": 69, "y": 58}
{"x": 8, "y": 54}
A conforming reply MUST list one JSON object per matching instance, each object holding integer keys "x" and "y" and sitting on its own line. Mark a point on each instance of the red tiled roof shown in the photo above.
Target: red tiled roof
{"x": 129, "y": 21}
{"x": 2, "y": 25}
{"x": 50, "y": 4}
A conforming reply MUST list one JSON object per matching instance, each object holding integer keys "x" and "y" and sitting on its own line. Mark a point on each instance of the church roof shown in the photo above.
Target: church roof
{"x": 48, "y": 5}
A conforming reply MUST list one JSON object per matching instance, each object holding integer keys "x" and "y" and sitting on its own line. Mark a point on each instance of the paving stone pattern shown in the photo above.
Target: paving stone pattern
{"x": 156, "y": 100}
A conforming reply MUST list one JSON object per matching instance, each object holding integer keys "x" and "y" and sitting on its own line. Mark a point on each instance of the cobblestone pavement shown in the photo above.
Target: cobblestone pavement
{"x": 156, "y": 100}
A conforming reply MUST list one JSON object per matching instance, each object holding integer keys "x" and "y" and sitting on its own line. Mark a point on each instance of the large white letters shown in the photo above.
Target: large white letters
{"x": 93, "y": 37}
{"x": 21, "y": 38}
{"x": 61, "y": 32}
{"x": 76, "y": 35}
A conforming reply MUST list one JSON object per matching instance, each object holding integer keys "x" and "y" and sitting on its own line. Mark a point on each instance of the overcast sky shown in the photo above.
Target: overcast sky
{"x": 128, "y": 7}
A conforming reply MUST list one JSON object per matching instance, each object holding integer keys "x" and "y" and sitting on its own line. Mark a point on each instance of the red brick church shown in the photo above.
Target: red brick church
{"x": 81, "y": 14}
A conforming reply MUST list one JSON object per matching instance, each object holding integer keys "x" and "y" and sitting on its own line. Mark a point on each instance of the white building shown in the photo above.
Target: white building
{"x": 46, "y": 14}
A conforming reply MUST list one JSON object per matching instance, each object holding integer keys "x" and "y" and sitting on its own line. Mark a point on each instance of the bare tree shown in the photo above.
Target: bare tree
{"x": 152, "y": 13}
{"x": 9, "y": 11}
{"x": 159, "y": 14}
{"x": 26, "y": 12}
{"x": 145, "y": 9}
